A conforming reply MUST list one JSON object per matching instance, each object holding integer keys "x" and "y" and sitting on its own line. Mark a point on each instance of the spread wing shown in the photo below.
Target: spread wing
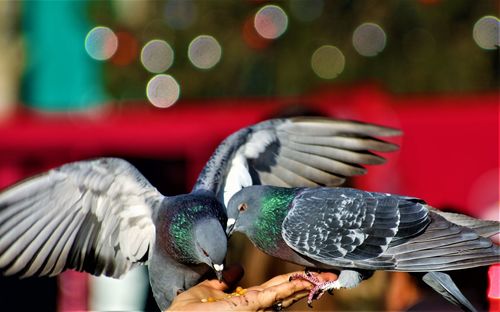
{"x": 351, "y": 228}
{"x": 304, "y": 151}
{"x": 93, "y": 216}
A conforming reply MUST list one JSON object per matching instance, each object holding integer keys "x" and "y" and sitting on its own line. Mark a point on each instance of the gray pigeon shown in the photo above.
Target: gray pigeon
{"x": 358, "y": 232}
{"x": 103, "y": 217}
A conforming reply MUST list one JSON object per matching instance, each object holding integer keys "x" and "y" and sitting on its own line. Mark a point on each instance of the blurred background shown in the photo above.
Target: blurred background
{"x": 161, "y": 83}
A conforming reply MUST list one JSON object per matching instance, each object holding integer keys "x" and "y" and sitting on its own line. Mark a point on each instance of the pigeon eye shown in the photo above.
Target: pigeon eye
{"x": 204, "y": 252}
{"x": 242, "y": 207}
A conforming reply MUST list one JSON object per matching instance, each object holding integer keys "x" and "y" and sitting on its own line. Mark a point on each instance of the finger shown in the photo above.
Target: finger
{"x": 287, "y": 302}
{"x": 323, "y": 277}
{"x": 255, "y": 300}
{"x": 280, "y": 279}
{"x": 258, "y": 300}
{"x": 294, "y": 298}
{"x": 271, "y": 295}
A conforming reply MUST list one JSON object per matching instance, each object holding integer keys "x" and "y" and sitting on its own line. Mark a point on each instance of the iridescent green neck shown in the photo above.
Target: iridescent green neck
{"x": 275, "y": 205}
{"x": 181, "y": 232}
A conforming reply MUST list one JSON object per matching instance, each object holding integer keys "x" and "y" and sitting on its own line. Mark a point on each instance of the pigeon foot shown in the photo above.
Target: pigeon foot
{"x": 319, "y": 287}
{"x": 346, "y": 279}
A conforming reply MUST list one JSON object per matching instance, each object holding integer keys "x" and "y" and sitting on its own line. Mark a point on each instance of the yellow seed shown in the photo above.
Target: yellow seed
{"x": 210, "y": 299}
{"x": 239, "y": 289}
{"x": 243, "y": 291}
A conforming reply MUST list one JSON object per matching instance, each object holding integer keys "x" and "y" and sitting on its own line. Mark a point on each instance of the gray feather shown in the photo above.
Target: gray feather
{"x": 444, "y": 285}
{"x": 305, "y": 151}
{"x": 270, "y": 178}
{"x": 484, "y": 228}
{"x": 322, "y": 163}
{"x": 349, "y": 229}
{"x": 310, "y": 172}
{"x": 59, "y": 220}
{"x": 288, "y": 176}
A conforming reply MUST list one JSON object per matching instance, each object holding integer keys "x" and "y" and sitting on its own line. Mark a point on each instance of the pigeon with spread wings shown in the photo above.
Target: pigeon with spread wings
{"x": 103, "y": 217}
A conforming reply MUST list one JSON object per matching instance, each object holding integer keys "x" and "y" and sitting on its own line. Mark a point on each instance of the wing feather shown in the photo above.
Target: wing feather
{"x": 293, "y": 152}
{"x": 336, "y": 226}
{"x": 343, "y": 155}
{"x": 50, "y": 244}
{"x": 344, "y": 142}
{"x": 290, "y": 177}
{"x": 93, "y": 216}
{"x": 272, "y": 179}
{"x": 309, "y": 172}
{"x": 444, "y": 246}
{"x": 322, "y": 163}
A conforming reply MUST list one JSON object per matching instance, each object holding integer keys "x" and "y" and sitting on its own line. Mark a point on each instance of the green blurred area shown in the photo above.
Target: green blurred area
{"x": 429, "y": 48}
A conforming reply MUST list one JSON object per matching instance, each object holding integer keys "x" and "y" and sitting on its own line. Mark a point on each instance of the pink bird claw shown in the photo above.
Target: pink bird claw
{"x": 319, "y": 287}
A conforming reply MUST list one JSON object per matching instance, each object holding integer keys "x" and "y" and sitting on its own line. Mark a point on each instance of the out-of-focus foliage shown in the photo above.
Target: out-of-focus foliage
{"x": 429, "y": 46}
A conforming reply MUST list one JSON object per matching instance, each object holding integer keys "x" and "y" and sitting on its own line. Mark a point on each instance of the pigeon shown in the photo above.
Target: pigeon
{"x": 357, "y": 232}
{"x": 103, "y": 217}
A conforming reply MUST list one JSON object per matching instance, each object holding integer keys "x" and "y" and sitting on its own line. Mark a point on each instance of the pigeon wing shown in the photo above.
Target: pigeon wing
{"x": 93, "y": 216}
{"x": 350, "y": 228}
{"x": 293, "y": 152}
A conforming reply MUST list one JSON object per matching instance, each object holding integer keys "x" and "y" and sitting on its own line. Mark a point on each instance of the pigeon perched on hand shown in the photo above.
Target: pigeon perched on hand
{"x": 103, "y": 217}
{"x": 358, "y": 232}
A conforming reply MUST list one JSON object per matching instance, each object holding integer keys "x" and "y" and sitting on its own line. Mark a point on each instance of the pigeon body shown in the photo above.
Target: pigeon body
{"x": 103, "y": 217}
{"x": 192, "y": 224}
{"x": 352, "y": 230}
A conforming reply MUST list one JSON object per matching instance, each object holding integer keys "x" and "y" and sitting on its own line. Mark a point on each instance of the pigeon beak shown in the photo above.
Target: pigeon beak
{"x": 218, "y": 271}
{"x": 230, "y": 226}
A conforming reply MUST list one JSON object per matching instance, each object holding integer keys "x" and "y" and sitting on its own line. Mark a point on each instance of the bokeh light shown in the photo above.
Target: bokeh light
{"x": 369, "y": 39}
{"x": 204, "y": 52}
{"x": 101, "y": 43}
{"x": 180, "y": 14}
{"x": 328, "y": 62}
{"x": 271, "y": 21}
{"x": 157, "y": 56}
{"x": 163, "y": 91}
{"x": 486, "y": 32}
{"x": 250, "y": 35}
{"x": 306, "y": 11}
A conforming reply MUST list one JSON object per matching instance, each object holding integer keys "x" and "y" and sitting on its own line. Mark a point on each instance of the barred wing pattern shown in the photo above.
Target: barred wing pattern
{"x": 351, "y": 228}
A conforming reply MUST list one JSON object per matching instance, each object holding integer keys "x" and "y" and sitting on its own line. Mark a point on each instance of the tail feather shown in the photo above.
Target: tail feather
{"x": 449, "y": 261}
{"x": 444, "y": 246}
{"x": 444, "y": 285}
{"x": 485, "y": 228}
{"x": 470, "y": 247}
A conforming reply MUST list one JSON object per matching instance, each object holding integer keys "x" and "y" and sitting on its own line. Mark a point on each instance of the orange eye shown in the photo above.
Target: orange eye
{"x": 242, "y": 207}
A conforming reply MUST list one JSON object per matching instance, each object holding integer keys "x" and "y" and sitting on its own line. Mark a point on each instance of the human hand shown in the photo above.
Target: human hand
{"x": 275, "y": 294}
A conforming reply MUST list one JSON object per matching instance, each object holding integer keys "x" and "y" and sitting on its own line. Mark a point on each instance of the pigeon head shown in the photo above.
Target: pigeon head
{"x": 194, "y": 231}
{"x": 210, "y": 244}
{"x": 244, "y": 208}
